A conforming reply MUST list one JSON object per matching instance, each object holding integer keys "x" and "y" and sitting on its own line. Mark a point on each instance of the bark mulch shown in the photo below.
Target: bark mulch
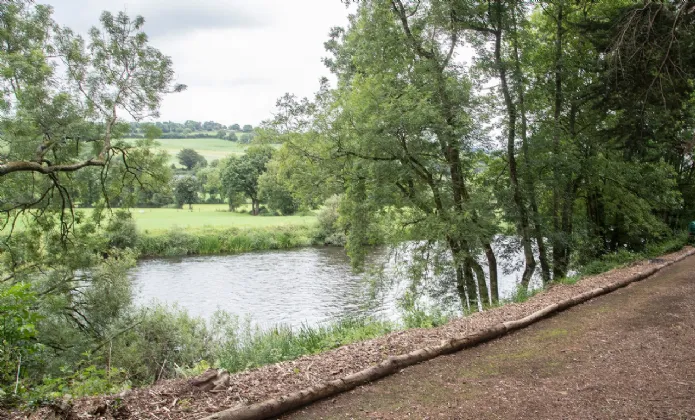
{"x": 177, "y": 399}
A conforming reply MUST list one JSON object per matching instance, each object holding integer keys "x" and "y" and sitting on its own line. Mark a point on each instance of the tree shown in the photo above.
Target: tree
{"x": 222, "y": 134}
{"x": 246, "y": 138}
{"x": 61, "y": 128}
{"x": 152, "y": 132}
{"x": 186, "y": 191}
{"x": 190, "y": 158}
{"x": 235, "y": 127}
{"x": 240, "y": 174}
{"x": 51, "y": 130}
{"x": 275, "y": 192}
{"x": 232, "y": 136}
{"x": 398, "y": 132}
{"x": 247, "y": 128}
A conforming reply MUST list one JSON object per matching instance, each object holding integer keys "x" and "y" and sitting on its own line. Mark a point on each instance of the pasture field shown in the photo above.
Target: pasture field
{"x": 211, "y": 149}
{"x": 210, "y": 216}
{"x": 203, "y": 217}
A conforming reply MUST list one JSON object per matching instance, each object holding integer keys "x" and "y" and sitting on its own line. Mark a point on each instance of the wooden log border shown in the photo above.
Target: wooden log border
{"x": 281, "y": 405}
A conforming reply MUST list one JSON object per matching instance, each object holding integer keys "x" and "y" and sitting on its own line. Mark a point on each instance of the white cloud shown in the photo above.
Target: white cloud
{"x": 237, "y": 57}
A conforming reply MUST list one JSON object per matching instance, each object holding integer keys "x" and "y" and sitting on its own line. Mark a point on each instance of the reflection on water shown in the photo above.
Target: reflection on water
{"x": 307, "y": 285}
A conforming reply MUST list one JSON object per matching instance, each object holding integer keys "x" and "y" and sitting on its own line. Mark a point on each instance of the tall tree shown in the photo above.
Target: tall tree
{"x": 398, "y": 129}
{"x": 186, "y": 191}
{"x": 241, "y": 173}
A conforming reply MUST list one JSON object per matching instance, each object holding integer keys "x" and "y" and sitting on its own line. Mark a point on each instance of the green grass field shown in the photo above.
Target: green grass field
{"x": 209, "y": 216}
{"x": 203, "y": 217}
{"x": 211, "y": 149}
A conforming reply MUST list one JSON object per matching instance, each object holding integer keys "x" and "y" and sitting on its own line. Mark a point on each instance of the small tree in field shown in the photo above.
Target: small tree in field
{"x": 190, "y": 158}
{"x": 186, "y": 191}
{"x": 241, "y": 173}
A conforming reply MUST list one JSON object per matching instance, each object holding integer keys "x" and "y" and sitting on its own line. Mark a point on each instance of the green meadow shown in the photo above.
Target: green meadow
{"x": 211, "y": 149}
{"x": 204, "y": 216}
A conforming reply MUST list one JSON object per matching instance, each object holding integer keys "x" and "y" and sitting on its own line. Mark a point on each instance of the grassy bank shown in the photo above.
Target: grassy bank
{"x": 253, "y": 348}
{"x": 209, "y": 241}
{"x": 191, "y": 345}
{"x": 245, "y": 347}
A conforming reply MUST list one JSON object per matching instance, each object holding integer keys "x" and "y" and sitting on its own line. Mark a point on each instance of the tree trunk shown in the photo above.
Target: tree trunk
{"x": 465, "y": 283}
{"x": 523, "y": 222}
{"x": 529, "y": 178}
{"x": 471, "y": 286}
{"x": 492, "y": 265}
{"x": 567, "y": 211}
{"x": 558, "y": 238}
{"x": 461, "y": 287}
{"x": 482, "y": 285}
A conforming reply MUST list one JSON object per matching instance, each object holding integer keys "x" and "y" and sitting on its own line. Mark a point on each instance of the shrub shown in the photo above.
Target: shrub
{"x": 17, "y": 331}
{"x": 227, "y": 241}
{"x": 121, "y": 231}
{"x": 330, "y": 232}
{"x": 91, "y": 380}
{"x": 151, "y": 343}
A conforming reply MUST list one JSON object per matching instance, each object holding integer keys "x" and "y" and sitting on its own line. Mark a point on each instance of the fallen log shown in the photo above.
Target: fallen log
{"x": 278, "y": 406}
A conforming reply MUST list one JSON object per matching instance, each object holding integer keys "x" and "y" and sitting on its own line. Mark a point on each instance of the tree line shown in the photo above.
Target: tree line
{"x": 234, "y": 180}
{"x": 194, "y": 129}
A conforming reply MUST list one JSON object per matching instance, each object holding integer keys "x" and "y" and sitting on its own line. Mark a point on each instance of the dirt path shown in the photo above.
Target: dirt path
{"x": 629, "y": 354}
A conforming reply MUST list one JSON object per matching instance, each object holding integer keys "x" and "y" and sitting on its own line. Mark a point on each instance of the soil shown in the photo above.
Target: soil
{"x": 651, "y": 356}
{"x": 628, "y": 354}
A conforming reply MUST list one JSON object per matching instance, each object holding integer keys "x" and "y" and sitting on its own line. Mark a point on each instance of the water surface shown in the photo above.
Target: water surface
{"x": 300, "y": 286}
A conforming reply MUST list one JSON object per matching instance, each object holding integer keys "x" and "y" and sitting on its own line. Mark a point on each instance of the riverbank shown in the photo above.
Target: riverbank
{"x": 214, "y": 241}
{"x": 177, "y": 399}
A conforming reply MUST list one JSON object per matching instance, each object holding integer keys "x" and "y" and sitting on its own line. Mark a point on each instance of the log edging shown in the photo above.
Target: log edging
{"x": 281, "y": 405}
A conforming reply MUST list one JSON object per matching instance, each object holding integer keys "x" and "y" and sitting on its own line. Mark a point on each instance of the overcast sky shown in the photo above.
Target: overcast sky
{"x": 236, "y": 56}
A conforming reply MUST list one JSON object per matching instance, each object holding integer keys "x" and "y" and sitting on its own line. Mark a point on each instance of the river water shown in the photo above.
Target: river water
{"x": 292, "y": 287}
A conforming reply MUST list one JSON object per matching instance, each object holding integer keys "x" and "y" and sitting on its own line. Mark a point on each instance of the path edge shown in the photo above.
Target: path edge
{"x": 280, "y": 405}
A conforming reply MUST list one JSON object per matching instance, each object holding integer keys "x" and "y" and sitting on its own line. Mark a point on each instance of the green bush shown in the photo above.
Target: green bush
{"x": 330, "y": 232}
{"x": 152, "y": 343}
{"x": 91, "y": 380}
{"x": 17, "y": 332}
{"x": 121, "y": 231}
{"x": 414, "y": 315}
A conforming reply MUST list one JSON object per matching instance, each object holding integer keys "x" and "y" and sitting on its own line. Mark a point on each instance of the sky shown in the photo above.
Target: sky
{"x": 236, "y": 56}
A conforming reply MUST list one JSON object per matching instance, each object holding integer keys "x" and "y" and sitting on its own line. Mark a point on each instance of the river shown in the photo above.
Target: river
{"x": 293, "y": 287}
